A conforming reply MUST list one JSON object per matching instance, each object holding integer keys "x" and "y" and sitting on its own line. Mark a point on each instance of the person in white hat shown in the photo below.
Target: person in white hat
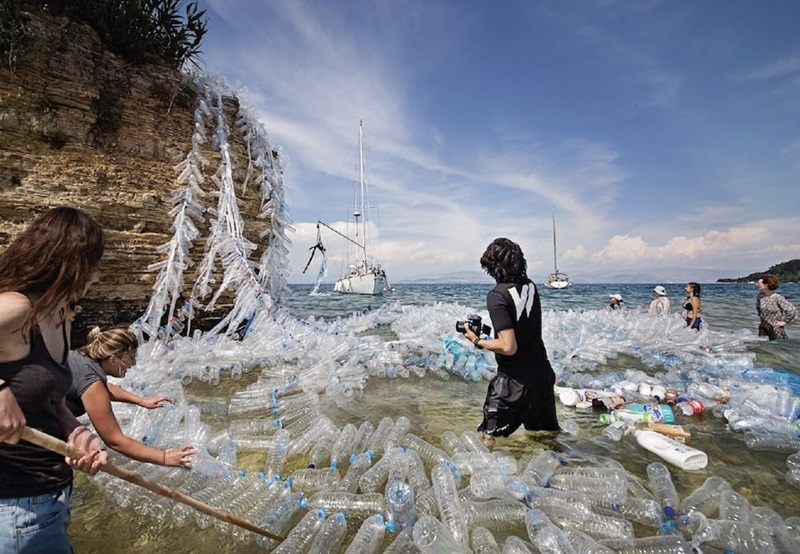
{"x": 660, "y": 304}
{"x": 616, "y": 302}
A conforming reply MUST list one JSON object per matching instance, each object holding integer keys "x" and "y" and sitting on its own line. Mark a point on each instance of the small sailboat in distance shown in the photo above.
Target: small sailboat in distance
{"x": 557, "y": 279}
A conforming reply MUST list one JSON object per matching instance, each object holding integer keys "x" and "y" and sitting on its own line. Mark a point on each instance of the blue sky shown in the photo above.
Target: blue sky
{"x": 667, "y": 134}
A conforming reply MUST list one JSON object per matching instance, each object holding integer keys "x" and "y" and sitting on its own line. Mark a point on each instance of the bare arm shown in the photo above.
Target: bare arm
{"x": 505, "y": 343}
{"x": 694, "y": 313}
{"x": 79, "y": 436}
{"x": 118, "y": 394}
{"x": 97, "y": 402}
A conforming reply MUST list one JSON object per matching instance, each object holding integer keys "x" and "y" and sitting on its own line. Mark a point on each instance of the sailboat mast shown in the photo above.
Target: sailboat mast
{"x": 555, "y": 253}
{"x": 363, "y": 185}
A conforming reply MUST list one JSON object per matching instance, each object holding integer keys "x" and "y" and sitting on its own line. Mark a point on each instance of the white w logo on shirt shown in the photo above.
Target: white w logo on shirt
{"x": 523, "y": 302}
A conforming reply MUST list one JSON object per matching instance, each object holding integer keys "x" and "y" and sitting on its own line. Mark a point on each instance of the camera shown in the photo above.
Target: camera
{"x": 475, "y": 324}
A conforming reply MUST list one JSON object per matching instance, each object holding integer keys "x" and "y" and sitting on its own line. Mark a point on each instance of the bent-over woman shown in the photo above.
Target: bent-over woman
{"x": 773, "y": 309}
{"x": 112, "y": 353}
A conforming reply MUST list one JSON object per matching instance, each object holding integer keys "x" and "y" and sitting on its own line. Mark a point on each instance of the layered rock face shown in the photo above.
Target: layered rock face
{"x": 82, "y": 127}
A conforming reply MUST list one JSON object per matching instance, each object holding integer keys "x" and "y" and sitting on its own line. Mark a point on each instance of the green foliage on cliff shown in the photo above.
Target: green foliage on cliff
{"x": 138, "y": 30}
{"x": 787, "y": 272}
{"x": 12, "y": 30}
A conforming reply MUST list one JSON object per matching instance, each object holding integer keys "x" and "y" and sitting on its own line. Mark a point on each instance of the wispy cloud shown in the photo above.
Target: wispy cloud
{"x": 772, "y": 70}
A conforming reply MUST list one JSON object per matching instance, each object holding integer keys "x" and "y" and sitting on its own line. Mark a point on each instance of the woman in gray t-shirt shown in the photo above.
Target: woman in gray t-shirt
{"x": 112, "y": 352}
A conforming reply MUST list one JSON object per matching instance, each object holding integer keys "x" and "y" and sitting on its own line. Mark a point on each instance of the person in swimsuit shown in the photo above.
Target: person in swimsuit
{"x": 43, "y": 272}
{"x": 692, "y": 306}
{"x": 522, "y": 391}
{"x": 113, "y": 352}
{"x": 773, "y": 309}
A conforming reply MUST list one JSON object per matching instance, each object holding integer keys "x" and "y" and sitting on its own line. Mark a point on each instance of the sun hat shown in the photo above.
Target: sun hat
{"x": 659, "y": 290}
{"x": 616, "y": 296}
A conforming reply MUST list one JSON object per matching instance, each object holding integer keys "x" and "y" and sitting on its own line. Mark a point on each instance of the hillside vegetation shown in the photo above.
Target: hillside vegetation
{"x": 786, "y": 272}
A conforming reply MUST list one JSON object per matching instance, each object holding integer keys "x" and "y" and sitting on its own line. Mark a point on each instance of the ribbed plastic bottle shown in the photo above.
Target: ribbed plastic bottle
{"x": 403, "y": 544}
{"x": 641, "y": 510}
{"x": 238, "y": 489}
{"x": 470, "y": 462}
{"x": 599, "y": 526}
{"x": 772, "y": 442}
{"x": 374, "y": 478}
{"x": 705, "y": 498}
{"x": 302, "y": 442}
{"x": 343, "y": 446}
{"x": 551, "y": 540}
{"x": 276, "y": 457}
{"x": 320, "y": 455}
{"x": 312, "y": 480}
{"x": 483, "y": 542}
{"x": 541, "y": 469}
{"x": 425, "y": 504}
{"x": 280, "y": 517}
{"x": 560, "y": 507}
{"x": 490, "y": 484}
{"x": 663, "y": 488}
{"x": 596, "y": 488}
{"x": 363, "y": 435}
{"x": 584, "y": 544}
{"x": 450, "y": 508}
{"x": 432, "y": 537}
{"x": 429, "y": 453}
{"x": 733, "y": 506}
{"x": 355, "y": 505}
{"x": 274, "y": 491}
{"x": 515, "y": 545}
{"x": 666, "y": 544}
{"x": 735, "y": 536}
{"x": 417, "y": 477}
{"x": 615, "y": 430}
{"x": 451, "y": 443}
{"x": 369, "y": 537}
{"x": 500, "y": 516}
{"x": 331, "y": 536}
{"x": 401, "y": 427}
{"x": 783, "y": 539}
{"x": 378, "y": 438}
{"x": 303, "y": 534}
{"x": 473, "y": 442}
{"x": 400, "y": 507}
{"x": 358, "y": 466}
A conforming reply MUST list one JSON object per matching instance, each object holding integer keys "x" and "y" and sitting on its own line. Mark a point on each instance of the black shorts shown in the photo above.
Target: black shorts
{"x": 510, "y": 403}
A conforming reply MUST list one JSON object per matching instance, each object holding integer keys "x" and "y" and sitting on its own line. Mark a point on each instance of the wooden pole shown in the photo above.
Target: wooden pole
{"x": 51, "y": 443}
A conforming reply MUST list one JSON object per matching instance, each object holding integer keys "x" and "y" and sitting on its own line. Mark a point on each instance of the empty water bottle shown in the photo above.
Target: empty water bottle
{"x": 314, "y": 480}
{"x": 470, "y": 462}
{"x": 276, "y": 457}
{"x": 429, "y": 453}
{"x": 705, "y": 498}
{"x": 515, "y": 545}
{"x": 356, "y": 505}
{"x": 302, "y": 535}
{"x": 432, "y": 537}
{"x": 450, "y": 508}
{"x": 363, "y": 435}
{"x": 483, "y": 542}
{"x": 500, "y": 516}
{"x": 401, "y": 427}
{"x": 343, "y": 446}
{"x": 473, "y": 442}
{"x": 538, "y": 472}
{"x": 378, "y": 438}
{"x": 663, "y": 488}
{"x": 369, "y": 537}
{"x": 358, "y": 466}
{"x": 331, "y": 536}
{"x": 400, "y": 508}
{"x": 666, "y": 544}
{"x": 584, "y": 544}
{"x": 452, "y": 444}
{"x": 733, "y": 506}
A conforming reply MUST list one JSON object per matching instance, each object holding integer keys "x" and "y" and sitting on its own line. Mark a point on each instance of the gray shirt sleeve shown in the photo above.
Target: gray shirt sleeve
{"x": 85, "y": 373}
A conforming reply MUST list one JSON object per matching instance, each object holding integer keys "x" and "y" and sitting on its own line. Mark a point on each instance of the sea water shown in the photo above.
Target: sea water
{"x": 434, "y": 406}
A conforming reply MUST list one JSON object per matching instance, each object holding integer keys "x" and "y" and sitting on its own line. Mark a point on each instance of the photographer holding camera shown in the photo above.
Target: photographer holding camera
{"x": 522, "y": 391}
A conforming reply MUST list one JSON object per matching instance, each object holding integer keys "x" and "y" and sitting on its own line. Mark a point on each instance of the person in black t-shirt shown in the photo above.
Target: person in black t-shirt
{"x": 522, "y": 391}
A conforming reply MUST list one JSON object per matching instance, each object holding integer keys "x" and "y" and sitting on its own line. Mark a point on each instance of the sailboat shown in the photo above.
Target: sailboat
{"x": 364, "y": 275}
{"x": 557, "y": 279}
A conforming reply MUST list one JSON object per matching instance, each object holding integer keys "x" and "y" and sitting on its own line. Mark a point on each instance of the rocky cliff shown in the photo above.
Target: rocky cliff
{"x": 80, "y": 126}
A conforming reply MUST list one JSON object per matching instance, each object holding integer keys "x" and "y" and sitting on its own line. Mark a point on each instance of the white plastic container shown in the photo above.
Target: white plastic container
{"x": 677, "y": 454}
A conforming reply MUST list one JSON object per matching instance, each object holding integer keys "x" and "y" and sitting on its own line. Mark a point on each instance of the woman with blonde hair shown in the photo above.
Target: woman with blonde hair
{"x": 112, "y": 353}
{"x": 46, "y": 269}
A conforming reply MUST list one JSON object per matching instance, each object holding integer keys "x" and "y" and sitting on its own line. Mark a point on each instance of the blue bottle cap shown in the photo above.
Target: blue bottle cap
{"x": 334, "y": 464}
{"x": 303, "y": 503}
{"x": 352, "y": 458}
{"x": 669, "y": 511}
{"x": 391, "y": 527}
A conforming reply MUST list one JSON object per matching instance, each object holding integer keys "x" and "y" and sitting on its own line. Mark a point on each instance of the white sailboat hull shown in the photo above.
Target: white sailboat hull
{"x": 557, "y": 284}
{"x": 368, "y": 283}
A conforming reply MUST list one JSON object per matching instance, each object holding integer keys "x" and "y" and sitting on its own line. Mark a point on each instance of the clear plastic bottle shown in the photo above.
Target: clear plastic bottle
{"x": 772, "y": 442}
{"x": 280, "y": 517}
{"x": 417, "y": 477}
{"x": 665, "y": 544}
{"x": 783, "y": 539}
{"x": 515, "y": 545}
{"x": 663, "y": 488}
{"x": 541, "y": 469}
{"x": 473, "y": 442}
{"x": 600, "y": 527}
{"x": 490, "y": 484}
{"x": 641, "y": 510}
{"x": 450, "y": 508}
{"x": 551, "y": 540}
{"x": 615, "y": 430}
{"x": 274, "y": 491}
{"x": 483, "y": 542}
{"x": 303, "y": 534}
{"x": 401, "y": 427}
{"x": 356, "y": 505}
{"x": 559, "y": 507}
{"x": 452, "y": 444}
{"x": 343, "y": 446}
{"x": 426, "y": 450}
{"x": 470, "y": 462}
{"x": 312, "y": 480}
{"x": 705, "y": 498}
{"x": 369, "y": 537}
{"x": 400, "y": 507}
{"x": 425, "y": 504}
{"x": 582, "y": 543}
{"x": 363, "y": 435}
{"x": 500, "y": 516}
{"x": 378, "y": 438}
{"x": 596, "y": 488}
{"x": 320, "y": 455}
{"x": 374, "y": 478}
{"x": 735, "y": 536}
{"x": 302, "y": 442}
{"x": 733, "y": 506}
{"x": 432, "y": 537}
{"x": 793, "y": 477}
{"x": 331, "y": 536}
{"x": 359, "y": 464}
{"x": 276, "y": 457}
{"x": 403, "y": 544}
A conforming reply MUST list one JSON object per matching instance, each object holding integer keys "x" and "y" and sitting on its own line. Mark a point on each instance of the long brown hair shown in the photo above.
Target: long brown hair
{"x": 52, "y": 259}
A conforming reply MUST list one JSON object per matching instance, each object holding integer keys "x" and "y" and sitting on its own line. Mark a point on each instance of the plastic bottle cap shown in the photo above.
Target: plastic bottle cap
{"x": 669, "y": 511}
{"x": 390, "y": 526}
{"x": 334, "y": 464}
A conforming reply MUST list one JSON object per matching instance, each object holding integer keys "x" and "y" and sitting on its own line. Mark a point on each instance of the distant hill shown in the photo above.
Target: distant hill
{"x": 452, "y": 278}
{"x": 787, "y": 272}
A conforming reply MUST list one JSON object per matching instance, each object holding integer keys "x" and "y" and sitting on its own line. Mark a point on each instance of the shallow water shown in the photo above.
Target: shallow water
{"x": 434, "y": 405}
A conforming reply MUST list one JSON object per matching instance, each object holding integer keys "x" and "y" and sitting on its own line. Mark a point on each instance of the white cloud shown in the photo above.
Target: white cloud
{"x": 779, "y": 68}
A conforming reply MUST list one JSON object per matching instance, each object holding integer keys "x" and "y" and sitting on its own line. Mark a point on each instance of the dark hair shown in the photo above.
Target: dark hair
{"x": 771, "y": 281}
{"x": 695, "y": 288}
{"x": 504, "y": 261}
{"x": 54, "y": 259}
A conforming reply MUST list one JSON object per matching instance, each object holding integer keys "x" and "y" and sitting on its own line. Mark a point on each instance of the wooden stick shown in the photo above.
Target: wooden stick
{"x": 67, "y": 450}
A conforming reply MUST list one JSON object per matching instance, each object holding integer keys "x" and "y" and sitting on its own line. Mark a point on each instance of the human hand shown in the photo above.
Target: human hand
{"x": 95, "y": 455}
{"x": 180, "y": 457}
{"x": 779, "y": 324}
{"x": 469, "y": 334}
{"x": 155, "y": 401}
{"x": 12, "y": 421}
